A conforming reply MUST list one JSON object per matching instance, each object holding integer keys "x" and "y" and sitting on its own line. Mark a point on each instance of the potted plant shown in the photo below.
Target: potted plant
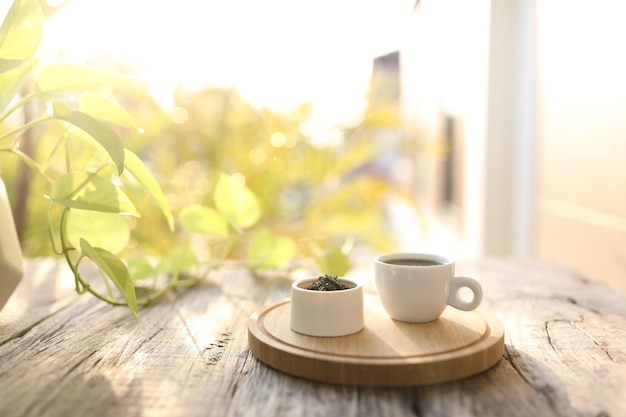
{"x": 11, "y": 266}
{"x": 326, "y": 306}
{"x": 59, "y": 110}
{"x": 63, "y": 122}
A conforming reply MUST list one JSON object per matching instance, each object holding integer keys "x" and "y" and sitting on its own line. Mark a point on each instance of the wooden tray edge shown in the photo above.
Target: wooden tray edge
{"x": 394, "y": 372}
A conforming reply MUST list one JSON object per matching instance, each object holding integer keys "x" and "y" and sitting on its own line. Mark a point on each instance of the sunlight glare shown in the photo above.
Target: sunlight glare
{"x": 179, "y": 115}
{"x": 277, "y": 53}
{"x": 238, "y": 178}
{"x": 278, "y": 139}
{"x": 257, "y": 155}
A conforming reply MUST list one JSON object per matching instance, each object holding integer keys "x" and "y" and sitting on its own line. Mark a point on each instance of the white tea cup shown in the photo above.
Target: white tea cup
{"x": 417, "y": 287}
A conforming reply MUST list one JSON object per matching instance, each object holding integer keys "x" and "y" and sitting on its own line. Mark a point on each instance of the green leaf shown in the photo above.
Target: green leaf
{"x": 269, "y": 250}
{"x": 149, "y": 184}
{"x": 21, "y": 31}
{"x": 201, "y": 219}
{"x": 105, "y": 109}
{"x": 177, "y": 260}
{"x": 260, "y": 247}
{"x": 140, "y": 268}
{"x": 59, "y": 78}
{"x": 284, "y": 250}
{"x": 11, "y": 81}
{"x": 104, "y": 135}
{"x": 85, "y": 191}
{"x": 9, "y": 64}
{"x": 332, "y": 262}
{"x": 115, "y": 269}
{"x": 104, "y": 230}
{"x": 236, "y": 202}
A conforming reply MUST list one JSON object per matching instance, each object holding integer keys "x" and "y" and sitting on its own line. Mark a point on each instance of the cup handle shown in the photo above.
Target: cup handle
{"x": 465, "y": 282}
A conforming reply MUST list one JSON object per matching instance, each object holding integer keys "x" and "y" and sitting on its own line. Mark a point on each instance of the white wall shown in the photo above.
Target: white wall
{"x": 444, "y": 66}
{"x": 539, "y": 89}
{"x": 581, "y": 210}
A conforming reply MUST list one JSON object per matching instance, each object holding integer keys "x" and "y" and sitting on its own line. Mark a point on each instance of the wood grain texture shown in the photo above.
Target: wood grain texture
{"x": 66, "y": 355}
{"x": 385, "y": 353}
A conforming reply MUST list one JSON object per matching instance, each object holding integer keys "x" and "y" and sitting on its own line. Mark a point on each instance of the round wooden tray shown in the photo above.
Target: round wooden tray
{"x": 386, "y": 353}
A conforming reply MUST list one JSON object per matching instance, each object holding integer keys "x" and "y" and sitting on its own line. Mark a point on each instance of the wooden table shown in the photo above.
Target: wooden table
{"x": 67, "y": 355}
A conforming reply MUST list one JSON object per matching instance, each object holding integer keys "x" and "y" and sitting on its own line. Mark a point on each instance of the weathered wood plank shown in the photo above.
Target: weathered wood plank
{"x": 566, "y": 335}
{"x": 62, "y": 355}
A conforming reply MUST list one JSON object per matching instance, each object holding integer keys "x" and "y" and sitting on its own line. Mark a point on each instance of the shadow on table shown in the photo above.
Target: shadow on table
{"x": 517, "y": 385}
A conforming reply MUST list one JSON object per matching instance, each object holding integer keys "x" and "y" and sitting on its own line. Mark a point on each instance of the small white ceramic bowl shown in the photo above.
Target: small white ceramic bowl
{"x": 326, "y": 313}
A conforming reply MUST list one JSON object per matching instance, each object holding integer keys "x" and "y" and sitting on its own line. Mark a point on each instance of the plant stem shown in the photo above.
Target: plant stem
{"x": 56, "y": 146}
{"x": 53, "y": 243}
{"x": 83, "y": 286}
{"x": 30, "y": 162}
{"x": 16, "y": 106}
{"x": 22, "y": 128}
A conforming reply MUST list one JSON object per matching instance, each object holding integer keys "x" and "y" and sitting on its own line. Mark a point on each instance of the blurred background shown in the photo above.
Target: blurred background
{"x": 530, "y": 99}
{"x": 482, "y": 128}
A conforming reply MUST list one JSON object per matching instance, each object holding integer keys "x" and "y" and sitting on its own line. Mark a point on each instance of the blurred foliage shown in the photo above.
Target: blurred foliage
{"x": 315, "y": 202}
{"x": 55, "y": 123}
{"x": 244, "y": 183}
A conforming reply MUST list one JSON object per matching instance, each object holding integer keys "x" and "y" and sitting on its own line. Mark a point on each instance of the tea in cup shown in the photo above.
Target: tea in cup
{"x": 417, "y": 287}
